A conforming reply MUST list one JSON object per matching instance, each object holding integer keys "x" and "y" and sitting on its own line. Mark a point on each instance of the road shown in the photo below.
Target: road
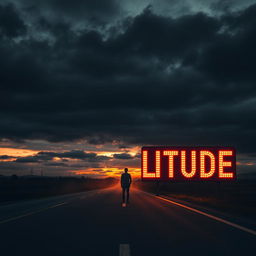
{"x": 95, "y": 223}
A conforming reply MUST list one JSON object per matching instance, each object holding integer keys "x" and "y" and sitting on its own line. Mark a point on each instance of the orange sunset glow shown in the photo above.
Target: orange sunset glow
{"x": 17, "y": 152}
{"x": 95, "y": 161}
{"x": 109, "y": 172}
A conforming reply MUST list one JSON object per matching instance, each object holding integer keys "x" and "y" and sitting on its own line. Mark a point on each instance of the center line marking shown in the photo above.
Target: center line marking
{"x": 124, "y": 250}
{"x": 30, "y": 213}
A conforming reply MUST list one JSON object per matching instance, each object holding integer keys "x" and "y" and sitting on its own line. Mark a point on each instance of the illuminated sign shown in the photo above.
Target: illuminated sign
{"x": 188, "y": 163}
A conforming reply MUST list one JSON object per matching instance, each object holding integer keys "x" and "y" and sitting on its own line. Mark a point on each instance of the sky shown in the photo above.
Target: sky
{"x": 85, "y": 84}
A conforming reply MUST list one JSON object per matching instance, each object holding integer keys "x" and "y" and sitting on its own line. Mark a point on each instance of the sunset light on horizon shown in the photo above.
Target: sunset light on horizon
{"x": 99, "y": 161}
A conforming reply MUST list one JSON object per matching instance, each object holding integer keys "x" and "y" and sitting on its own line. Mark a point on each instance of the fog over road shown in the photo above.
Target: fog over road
{"x": 95, "y": 223}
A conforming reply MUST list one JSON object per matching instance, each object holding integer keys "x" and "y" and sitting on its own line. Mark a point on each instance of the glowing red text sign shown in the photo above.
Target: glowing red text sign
{"x": 188, "y": 163}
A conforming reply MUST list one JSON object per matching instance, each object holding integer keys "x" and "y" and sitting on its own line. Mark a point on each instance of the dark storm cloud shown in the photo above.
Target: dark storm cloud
{"x": 159, "y": 80}
{"x": 27, "y": 159}
{"x": 74, "y": 154}
{"x": 126, "y": 147}
{"x": 47, "y": 156}
{"x": 11, "y": 25}
{"x": 232, "y": 57}
{"x": 124, "y": 156}
{"x": 95, "y": 12}
{"x": 5, "y": 157}
{"x": 228, "y": 6}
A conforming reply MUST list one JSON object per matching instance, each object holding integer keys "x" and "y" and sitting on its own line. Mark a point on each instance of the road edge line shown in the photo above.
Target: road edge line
{"x": 248, "y": 230}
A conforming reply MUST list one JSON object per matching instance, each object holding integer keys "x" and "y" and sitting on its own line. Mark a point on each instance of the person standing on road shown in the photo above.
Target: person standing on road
{"x": 126, "y": 181}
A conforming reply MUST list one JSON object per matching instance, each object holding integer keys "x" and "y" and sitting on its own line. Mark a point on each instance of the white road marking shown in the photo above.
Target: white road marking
{"x": 124, "y": 250}
{"x": 251, "y": 231}
{"x": 30, "y": 213}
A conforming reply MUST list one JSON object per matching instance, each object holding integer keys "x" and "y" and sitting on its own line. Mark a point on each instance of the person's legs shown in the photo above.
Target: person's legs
{"x": 127, "y": 197}
{"x": 123, "y": 195}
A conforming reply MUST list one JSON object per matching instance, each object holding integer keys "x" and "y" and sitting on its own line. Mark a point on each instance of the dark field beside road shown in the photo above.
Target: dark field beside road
{"x": 237, "y": 197}
{"x": 20, "y": 188}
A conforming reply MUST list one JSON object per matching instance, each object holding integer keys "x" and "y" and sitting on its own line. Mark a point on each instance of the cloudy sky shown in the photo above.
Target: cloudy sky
{"x": 85, "y": 83}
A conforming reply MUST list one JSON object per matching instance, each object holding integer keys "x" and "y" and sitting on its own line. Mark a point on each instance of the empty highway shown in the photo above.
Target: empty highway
{"x": 95, "y": 223}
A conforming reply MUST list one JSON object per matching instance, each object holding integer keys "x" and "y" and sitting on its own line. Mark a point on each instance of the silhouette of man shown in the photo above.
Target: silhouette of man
{"x": 126, "y": 181}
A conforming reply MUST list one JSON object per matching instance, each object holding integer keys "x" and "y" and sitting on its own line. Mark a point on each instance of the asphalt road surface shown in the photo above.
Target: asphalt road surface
{"x": 95, "y": 223}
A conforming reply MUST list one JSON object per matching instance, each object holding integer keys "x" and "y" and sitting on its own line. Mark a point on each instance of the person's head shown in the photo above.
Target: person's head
{"x": 125, "y": 169}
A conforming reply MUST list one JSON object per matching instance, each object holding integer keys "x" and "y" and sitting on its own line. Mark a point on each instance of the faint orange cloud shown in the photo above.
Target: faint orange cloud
{"x": 107, "y": 172}
{"x": 17, "y": 152}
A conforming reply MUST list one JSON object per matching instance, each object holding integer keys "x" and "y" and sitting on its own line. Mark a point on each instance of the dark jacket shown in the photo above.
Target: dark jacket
{"x": 126, "y": 180}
